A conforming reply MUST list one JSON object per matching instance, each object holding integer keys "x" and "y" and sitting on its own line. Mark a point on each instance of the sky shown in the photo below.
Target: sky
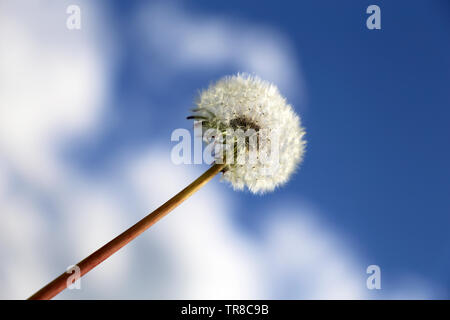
{"x": 85, "y": 123}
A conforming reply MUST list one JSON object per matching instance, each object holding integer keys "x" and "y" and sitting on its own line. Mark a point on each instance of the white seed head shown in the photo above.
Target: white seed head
{"x": 247, "y": 102}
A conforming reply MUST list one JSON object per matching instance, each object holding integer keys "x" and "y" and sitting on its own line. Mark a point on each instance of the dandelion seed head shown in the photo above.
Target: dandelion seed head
{"x": 245, "y": 102}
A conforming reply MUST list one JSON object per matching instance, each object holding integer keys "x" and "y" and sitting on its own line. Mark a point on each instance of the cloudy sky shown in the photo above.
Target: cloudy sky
{"x": 85, "y": 123}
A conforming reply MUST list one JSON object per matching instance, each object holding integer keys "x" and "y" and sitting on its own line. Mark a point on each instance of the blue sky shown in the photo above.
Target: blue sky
{"x": 376, "y": 115}
{"x": 377, "y": 104}
{"x": 375, "y": 179}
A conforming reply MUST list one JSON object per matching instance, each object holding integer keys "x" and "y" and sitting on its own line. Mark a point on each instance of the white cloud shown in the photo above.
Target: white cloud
{"x": 20, "y": 234}
{"x": 308, "y": 260}
{"x": 296, "y": 257}
{"x": 52, "y": 85}
{"x": 200, "y": 42}
{"x": 52, "y": 88}
{"x": 209, "y": 258}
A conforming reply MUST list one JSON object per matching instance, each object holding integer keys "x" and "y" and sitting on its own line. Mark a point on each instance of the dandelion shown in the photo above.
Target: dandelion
{"x": 247, "y": 103}
{"x": 240, "y": 103}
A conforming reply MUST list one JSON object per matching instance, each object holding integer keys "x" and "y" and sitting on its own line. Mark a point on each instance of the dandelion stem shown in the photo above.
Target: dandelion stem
{"x": 60, "y": 283}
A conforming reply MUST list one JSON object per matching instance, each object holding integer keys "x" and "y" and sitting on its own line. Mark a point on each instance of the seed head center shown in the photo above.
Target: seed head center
{"x": 244, "y": 123}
